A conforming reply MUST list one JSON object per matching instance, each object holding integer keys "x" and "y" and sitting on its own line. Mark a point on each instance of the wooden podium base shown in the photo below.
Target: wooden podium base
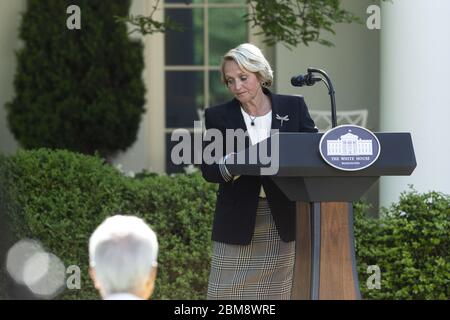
{"x": 325, "y": 267}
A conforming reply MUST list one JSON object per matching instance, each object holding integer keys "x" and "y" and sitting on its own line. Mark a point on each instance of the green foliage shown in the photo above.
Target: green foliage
{"x": 411, "y": 245}
{"x": 281, "y": 21}
{"x": 147, "y": 25}
{"x": 294, "y": 22}
{"x": 59, "y": 198}
{"x": 79, "y": 90}
{"x": 300, "y": 21}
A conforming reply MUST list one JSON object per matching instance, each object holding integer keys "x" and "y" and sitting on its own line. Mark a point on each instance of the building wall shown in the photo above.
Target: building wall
{"x": 415, "y": 51}
{"x": 9, "y": 42}
{"x": 353, "y": 65}
{"x": 139, "y": 156}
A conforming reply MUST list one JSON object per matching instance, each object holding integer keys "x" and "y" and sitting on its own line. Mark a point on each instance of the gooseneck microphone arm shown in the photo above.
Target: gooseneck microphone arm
{"x": 310, "y": 80}
{"x": 331, "y": 92}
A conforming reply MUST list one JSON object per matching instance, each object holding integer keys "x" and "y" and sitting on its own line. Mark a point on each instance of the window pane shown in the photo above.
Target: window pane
{"x": 184, "y": 97}
{"x": 178, "y": 168}
{"x": 219, "y": 93}
{"x": 185, "y": 47}
{"x": 227, "y": 29}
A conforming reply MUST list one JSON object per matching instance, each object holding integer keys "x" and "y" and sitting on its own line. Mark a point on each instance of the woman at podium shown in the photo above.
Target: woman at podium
{"x": 254, "y": 223}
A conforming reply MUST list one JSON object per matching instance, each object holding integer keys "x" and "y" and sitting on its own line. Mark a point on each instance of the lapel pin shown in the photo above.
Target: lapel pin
{"x": 284, "y": 118}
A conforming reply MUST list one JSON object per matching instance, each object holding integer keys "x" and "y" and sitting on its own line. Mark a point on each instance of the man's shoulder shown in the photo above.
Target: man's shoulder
{"x": 122, "y": 296}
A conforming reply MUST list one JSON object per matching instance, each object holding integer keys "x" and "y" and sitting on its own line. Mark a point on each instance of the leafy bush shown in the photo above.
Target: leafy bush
{"x": 80, "y": 90}
{"x": 410, "y": 243}
{"x": 59, "y": 198}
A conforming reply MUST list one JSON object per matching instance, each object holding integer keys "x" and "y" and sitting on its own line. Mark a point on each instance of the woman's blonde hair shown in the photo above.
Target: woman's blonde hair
{"x": 250, "y": 58}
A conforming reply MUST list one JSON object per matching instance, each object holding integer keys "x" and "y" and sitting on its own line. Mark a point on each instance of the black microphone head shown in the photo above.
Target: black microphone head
{"x": 298, "y": 81}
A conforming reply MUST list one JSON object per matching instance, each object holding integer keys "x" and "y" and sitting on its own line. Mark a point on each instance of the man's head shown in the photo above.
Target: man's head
{"x": 123, "y": 254}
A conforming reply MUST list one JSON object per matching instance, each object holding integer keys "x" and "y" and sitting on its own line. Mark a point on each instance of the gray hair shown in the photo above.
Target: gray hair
{"x": 122, "y": 251}
{"x": 249, "y": 57}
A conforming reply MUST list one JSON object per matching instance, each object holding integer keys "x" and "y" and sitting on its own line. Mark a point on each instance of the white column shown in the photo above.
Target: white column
{"x": 148, "y": 151}
{"x": 156, "y": 110}
{"x": 415, "y": 90}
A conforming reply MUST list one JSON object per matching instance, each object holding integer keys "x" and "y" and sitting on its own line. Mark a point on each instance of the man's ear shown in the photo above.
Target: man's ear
{"x": 154, "y": 273}
{"x": 93, "y": 277}
{"x": 150, "y": 285}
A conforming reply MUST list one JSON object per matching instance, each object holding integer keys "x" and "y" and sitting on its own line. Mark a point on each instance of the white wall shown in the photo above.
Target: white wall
{"x": 137, "y": 157}
{"x": 415, "y": 69}
{"x": 353, "y": 66}
{"x": 9, "y": 28}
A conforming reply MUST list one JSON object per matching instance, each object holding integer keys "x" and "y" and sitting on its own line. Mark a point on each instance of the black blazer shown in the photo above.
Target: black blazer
{"x": 237, "y": 200}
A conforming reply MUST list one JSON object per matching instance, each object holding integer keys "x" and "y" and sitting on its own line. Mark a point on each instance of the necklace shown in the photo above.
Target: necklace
{"x": 252, "y": 119}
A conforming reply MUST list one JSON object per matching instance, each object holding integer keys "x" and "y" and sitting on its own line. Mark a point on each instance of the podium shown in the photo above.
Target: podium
{"x": 325, "y": 266}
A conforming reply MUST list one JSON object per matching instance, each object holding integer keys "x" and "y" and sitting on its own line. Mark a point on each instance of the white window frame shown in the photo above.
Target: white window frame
{"x": 155, "y": 61}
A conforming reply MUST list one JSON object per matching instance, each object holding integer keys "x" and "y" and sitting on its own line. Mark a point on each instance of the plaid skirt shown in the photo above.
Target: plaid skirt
{"x": 262, "y": 270}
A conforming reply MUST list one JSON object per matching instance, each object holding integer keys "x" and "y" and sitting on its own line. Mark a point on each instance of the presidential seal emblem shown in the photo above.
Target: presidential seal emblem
{"x": 349, "y": 147}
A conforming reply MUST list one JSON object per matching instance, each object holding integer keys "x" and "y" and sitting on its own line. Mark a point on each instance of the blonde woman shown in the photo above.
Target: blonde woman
{"x": 254, "y": 224}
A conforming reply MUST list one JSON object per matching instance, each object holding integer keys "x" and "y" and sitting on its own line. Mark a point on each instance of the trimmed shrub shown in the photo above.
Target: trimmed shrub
{"x": 59, "y": 198}
{"x": 80, "y": 90}
{"x": 180, "y": 209}
{"x": 410, "y": 243}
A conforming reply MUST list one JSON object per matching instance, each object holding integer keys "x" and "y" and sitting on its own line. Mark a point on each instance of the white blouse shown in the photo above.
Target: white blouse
{"x": 261, "y": 130}
{"x": 258, "y": 132}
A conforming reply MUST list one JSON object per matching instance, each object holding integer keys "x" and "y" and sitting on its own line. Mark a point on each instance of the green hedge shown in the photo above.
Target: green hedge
{"x": 59, "y": 198}
{"x": 410, "y": 243}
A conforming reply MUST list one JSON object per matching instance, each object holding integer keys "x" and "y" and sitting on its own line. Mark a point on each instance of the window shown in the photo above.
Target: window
{"x": 193, "y": 57}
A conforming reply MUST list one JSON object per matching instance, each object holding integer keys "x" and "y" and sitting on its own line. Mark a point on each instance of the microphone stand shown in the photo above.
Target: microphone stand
{"x": 331, "y": 92}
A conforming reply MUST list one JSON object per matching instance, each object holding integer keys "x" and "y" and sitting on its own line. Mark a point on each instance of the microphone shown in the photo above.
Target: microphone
{"x": 302, "y": 80}
{"x": 309, "y": 80}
